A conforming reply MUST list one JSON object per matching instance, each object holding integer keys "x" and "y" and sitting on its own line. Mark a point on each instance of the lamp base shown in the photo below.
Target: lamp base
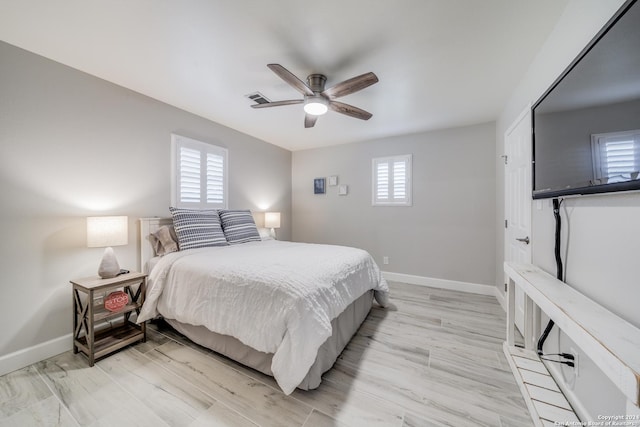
{"x": 109, "y": 266}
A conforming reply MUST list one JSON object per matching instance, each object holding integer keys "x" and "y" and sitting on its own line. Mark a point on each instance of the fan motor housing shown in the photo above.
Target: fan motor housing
{"x": 316, "y": 82}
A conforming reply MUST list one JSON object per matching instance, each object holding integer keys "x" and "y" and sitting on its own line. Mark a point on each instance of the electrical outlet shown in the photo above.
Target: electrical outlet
{"x": 576, "y": 361}
{"x": 505, "y": 287}
{"x": 570, "y": 373}
{"x": 385, "y": 260}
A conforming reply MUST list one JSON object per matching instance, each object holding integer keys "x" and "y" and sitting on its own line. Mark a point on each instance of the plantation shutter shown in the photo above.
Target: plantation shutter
{"x": 399, "y": 180}
{"x": 382, "y": 182}
{"x": 189, "y": 175}
{"x": 392, "y": 181}
{"x": 215, "y": 178}
{"x": 617, "y": 156}
{"x": 199, "y": 178}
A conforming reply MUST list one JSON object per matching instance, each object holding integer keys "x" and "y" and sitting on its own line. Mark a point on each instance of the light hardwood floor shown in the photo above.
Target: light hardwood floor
{"x": 434, "y": 358}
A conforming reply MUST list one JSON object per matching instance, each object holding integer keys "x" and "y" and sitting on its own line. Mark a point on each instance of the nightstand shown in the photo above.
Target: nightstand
{"x": 119, "y": 330}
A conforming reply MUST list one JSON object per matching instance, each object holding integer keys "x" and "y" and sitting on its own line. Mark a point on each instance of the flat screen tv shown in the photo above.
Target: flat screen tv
{"x": 586, "y": 126}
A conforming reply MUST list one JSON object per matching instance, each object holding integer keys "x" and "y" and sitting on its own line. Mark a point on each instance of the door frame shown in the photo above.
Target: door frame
{"x": 522, "y": 308}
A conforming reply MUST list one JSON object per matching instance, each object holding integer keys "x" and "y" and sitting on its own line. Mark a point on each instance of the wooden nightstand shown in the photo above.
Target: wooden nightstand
{"x": 87, "y": 314}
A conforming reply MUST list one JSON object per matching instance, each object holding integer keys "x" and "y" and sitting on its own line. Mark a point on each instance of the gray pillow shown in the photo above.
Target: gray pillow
{"x": 239, "y": 226}
{"x": 164, "y": 240}
{"x": 197, "y": 228}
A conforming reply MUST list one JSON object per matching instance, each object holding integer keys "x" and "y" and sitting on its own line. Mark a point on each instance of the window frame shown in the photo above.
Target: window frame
{"x": 178, "y": 142}
{"x": 407, "y": 159}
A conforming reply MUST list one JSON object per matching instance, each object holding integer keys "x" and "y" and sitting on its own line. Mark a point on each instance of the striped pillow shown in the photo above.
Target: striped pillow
{"x": 197, "y": 228}
{"x": 238, "y": 226}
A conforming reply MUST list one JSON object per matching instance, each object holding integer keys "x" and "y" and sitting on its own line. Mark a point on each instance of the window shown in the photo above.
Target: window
{"x": 198, "y": 174}
{"x": 616, "y": 156}
{"x": 391, "y": 178}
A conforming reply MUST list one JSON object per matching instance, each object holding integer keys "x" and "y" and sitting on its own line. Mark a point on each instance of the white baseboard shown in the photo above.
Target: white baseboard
{"x": 571, "y": 396}
{"x": 25, "y": 357}
{"x": 472, "y": 288}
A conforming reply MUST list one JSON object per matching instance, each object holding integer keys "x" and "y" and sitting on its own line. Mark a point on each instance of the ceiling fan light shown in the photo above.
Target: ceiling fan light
{"x": 316, "y": 105}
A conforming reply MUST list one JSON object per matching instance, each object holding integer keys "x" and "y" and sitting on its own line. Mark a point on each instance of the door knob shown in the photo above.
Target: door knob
{"x": 525, "y": 240}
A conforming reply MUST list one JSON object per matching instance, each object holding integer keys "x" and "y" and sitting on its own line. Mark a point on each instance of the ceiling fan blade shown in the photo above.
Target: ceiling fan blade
{"x": 278, "y": 103}
{"x": 310, "y": 120}
{"x": 290, "y": 78}
{"x": 350, "y": 86}
{"x": 350, "y": 110}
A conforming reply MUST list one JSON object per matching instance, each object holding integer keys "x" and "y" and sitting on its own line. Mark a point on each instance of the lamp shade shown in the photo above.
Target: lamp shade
{"x": 316, "y": 105}
{"x": 272, "y": 219}
{"x": 103, "y": 231}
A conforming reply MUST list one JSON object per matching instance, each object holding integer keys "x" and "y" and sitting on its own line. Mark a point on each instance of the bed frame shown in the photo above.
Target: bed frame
{"x": 344, "y": 326}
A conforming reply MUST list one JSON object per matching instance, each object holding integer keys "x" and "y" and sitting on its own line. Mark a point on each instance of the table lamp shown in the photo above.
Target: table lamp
{"x": 272, "y": 221}
{"x": 104, "y": 232}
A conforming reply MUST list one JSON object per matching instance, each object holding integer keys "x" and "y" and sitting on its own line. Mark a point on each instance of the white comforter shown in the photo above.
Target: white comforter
{"x": 277, "y": 297}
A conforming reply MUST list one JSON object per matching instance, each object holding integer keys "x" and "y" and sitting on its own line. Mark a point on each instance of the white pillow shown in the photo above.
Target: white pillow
{"x": 265, "y": 234}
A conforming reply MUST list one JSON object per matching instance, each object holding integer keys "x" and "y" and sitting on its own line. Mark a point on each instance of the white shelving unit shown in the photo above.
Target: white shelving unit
{"x": 611, "y": 342}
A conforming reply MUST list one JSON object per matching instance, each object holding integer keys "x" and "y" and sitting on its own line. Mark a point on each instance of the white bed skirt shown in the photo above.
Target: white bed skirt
{"x": 344, "y": 327}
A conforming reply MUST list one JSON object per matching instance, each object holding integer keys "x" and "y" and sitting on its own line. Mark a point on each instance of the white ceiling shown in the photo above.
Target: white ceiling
{"x": 441, "y": 63}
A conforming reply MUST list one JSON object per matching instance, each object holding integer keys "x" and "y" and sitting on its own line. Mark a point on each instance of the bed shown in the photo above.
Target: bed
{"x": 285, "y": 309}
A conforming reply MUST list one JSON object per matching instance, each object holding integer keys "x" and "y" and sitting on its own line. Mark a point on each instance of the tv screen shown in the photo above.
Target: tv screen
{"x": 586, "y": 127}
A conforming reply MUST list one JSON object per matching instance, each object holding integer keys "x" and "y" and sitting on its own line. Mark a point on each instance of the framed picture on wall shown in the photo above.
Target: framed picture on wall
{"x": 318, "y": 186}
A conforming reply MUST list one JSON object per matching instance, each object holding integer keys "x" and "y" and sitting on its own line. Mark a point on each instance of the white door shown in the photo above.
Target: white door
{"x": 517, "y": 244}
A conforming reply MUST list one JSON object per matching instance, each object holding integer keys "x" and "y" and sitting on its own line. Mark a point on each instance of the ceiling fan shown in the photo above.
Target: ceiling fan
{"x": 318, "y": 100}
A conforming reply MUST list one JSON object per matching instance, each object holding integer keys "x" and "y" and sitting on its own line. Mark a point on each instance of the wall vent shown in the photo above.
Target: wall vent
{"x": 258, "y": 98}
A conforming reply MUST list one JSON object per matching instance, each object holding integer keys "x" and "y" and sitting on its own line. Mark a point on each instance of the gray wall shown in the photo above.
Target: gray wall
{"x": 72, "y": 146}
{"x": 447, "y": 231}
{"x": 600, "y": 232}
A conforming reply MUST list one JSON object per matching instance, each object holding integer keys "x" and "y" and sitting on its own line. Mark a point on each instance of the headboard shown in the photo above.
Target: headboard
{"x": 148, "y": 226}
{"x": 151, "y": 225}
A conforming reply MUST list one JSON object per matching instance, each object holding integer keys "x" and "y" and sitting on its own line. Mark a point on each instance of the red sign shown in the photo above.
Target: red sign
{"x": 116, "y": 301}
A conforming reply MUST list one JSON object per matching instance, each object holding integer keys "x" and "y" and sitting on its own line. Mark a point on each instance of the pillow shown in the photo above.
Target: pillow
{"x": 197, "y": 228}
{"x": 239, "y": 226}
{"x": 164, "y": 240}
{"x": 265, "y": 234}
